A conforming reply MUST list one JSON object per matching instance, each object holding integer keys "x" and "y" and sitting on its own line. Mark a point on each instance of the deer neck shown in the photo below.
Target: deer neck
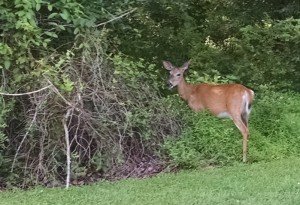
{"x": 184, "y": 89}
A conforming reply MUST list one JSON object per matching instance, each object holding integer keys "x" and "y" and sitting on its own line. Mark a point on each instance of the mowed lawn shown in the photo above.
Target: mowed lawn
{"x": 276, "y": 182}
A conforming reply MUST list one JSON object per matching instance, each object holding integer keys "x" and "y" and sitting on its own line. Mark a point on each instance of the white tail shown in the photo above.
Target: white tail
{"x": 226, "y": 100}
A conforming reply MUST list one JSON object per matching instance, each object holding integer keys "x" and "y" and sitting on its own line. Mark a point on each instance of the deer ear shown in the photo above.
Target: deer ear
{"x": 168, "y": 65}
{"x": 186, "y": 65}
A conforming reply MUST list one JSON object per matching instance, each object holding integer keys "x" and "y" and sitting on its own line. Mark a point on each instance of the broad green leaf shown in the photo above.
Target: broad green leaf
{"x": 65, "y": 15}
{"x": 50, "y": 7}
{"x": 52, "y": 34}
{"x": 52, "y": 23}
{"x": 38, "y": 7}
{"x": 76, "y": 30}
{"x": 44, "y": 44}
{"x": 21, "y": 13}
{"x": 61, "y": 27}
{"x": 7, "y": 64}
{"x": 52, "y": 15}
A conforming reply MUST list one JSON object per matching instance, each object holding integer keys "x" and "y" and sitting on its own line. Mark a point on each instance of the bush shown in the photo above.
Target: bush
{"x": 265, "y": 53}
{"x": 274, "y": 133}
{"x": 116, "y": 124}
{"x": 275, "y": 126}
{"x": 205, "y": 140}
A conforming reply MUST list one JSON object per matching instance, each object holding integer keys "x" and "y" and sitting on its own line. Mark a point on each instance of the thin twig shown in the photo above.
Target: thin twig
{"x": 24, "y": 137}
{"x": 28, "y": 93}
{"x": 116, "y": 18}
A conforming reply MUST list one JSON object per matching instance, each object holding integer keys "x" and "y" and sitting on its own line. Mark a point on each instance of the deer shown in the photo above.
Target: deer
{"x": 222, "y": 100}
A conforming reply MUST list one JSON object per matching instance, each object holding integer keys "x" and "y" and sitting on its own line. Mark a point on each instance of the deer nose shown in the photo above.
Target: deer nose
{"x": 170, "y": 85}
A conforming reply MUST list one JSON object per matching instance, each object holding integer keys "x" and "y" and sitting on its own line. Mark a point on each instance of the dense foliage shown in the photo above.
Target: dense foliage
{"x": 103, "y": 96}
{"x": 274, "y": 134}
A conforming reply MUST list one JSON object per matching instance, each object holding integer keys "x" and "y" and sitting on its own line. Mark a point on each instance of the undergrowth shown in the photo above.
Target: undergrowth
{"x": 207, "y": 140}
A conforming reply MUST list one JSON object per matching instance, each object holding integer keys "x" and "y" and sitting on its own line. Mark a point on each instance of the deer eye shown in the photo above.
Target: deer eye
{"x": 178, "y": 74}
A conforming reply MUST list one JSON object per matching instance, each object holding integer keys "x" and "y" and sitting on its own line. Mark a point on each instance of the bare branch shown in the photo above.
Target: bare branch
{"x": 116, "y": 18}
{"x": 28, "y": 93}
{"x": 64, "y": 122}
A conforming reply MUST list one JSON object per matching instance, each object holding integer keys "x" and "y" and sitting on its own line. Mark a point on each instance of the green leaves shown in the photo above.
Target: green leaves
{"x": 7, "y": 64}
{"x": 52, "y": 34}
{"x": 50, "y": 7}
{"x": 65, "y": 15}
{"x": 52, "y": 15}
{"x": 5, "y": 49}
{"x": 260, "y": 54}
{"x": 38, "y": 7}
{"x": 5, "y": 55}
{"x": 67, "y": 85}
{"x": 134, "y": 72}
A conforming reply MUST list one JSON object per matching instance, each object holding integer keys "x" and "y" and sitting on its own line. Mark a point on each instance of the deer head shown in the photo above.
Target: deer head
{"x": 176, "y": 73}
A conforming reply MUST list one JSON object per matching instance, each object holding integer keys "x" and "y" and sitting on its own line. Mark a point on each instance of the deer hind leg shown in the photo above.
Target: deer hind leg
{"x": 245, "y": 118}
{"x": 246, "y": 112}
{"x": 241, "y": 124}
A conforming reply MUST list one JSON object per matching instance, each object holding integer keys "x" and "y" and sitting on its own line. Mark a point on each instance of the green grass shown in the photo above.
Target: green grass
{"x": 276, "y": 182}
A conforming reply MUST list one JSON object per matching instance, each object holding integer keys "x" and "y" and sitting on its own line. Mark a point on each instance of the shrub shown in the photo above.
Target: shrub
{"x": 261, "y": 54}
{"x": 116, "y": 124}
{"x": 275, "y": 125}
{"x": 274, "y": 133}
{"x": 205, "y": 140}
